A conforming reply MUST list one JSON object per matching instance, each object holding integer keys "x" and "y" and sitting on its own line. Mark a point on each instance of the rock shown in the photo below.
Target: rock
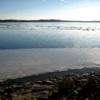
{"x": 74, "y": 87}
{"x": 45, "y": 92}
{"x": 66, "y": 85}
{"x": 38, "y": 82}
{"x": 75, "y": 91}
{"x": 89, "y": 89}
{"x": 47, "y": 82}
{"x": 38, "y": 88}
{"x": 8, "y": 90}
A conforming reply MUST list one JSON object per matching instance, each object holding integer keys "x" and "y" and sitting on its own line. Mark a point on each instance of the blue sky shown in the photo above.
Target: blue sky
{"x": 50, "y": 9}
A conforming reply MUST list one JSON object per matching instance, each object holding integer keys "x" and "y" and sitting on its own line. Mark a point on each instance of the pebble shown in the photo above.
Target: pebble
{"x": 73, "y": 87}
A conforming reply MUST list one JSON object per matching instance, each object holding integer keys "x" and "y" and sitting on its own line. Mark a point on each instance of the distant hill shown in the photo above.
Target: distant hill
{"x": 43, "y": 20}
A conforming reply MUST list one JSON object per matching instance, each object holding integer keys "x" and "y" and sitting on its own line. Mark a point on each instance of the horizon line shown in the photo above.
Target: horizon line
{"x": 57, "y": 20}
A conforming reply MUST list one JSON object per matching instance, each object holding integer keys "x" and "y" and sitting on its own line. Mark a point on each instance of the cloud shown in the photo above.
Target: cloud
{"x": 81, "y": 13}
{"x": 44, "y": 0}
{"x": 62, "y": 0}
{"x": 92, "y": 3}
{"x": 85, "y": 13}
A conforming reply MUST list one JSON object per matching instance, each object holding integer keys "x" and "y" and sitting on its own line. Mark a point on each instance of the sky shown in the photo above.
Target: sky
{"x": 50, "y": 9}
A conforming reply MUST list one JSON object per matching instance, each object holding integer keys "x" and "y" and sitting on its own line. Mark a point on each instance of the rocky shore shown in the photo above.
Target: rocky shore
{"x": 67, "y": 87}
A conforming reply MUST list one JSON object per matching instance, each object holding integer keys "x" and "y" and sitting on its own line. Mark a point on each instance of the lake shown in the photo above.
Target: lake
{"x": 28, "y": 48}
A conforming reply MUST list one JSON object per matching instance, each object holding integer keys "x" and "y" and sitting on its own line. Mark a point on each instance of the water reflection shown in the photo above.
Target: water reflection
{"x": 16, "y": 39}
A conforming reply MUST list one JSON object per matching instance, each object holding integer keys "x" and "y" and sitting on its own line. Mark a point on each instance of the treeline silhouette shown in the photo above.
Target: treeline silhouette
{"x": 43, "y": 20}
{"x": 40, "y": 20}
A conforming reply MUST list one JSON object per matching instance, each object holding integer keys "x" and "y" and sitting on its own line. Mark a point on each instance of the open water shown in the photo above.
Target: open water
{"x": 28, "y": 48}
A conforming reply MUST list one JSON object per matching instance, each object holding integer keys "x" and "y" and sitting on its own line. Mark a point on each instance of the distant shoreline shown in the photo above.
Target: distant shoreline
{"x": 45, "y": 20}
{"x": 42, "y": 76}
